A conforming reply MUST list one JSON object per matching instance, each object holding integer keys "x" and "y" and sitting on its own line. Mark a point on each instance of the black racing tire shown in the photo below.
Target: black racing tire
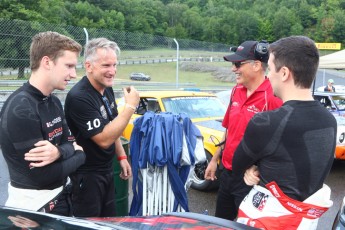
{"x": 199, "y": 183}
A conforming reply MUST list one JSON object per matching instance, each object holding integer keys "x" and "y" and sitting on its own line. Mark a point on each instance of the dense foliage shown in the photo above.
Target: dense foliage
{"x": 220, "y": 21}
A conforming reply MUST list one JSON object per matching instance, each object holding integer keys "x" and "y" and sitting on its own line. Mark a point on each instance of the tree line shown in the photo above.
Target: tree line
{"x": 218, "y": 21}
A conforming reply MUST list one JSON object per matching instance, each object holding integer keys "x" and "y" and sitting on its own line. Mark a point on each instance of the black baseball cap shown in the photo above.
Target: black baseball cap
{"x": 246, "y": 51}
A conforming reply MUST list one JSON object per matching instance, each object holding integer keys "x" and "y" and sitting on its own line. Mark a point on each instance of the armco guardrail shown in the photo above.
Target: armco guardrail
{"x": 12, "y": 83}
{"x": 139, "y": 61}
{"x": 17, "y": 83}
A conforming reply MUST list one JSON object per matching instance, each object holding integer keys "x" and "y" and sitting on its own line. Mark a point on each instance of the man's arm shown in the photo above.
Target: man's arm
{"x": 126, "y": 170}
{"x": 58, "y": 170}
{"x": 46, "y": 153}
{"x": 241, "y": 161}
{"x": 247, "y": 152}
{"x": 113, "y": 130}
{"x": 24, "y": 128}
{"x": 210, "y": 173}
{"x": 42, "y": 154}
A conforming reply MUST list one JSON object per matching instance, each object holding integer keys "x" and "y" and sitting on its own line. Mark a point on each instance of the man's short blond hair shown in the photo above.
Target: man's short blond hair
{"x": 51, "y": 44}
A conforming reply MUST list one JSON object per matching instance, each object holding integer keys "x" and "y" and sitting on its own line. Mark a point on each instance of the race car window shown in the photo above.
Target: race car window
{"x": 148, "y": 104}
{"x": 142, "y": 107}
{"x": 195, "y": 107}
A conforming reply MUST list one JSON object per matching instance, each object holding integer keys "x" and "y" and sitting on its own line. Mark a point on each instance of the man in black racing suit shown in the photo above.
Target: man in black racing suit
{"x": 35, "y": 139}
{"x": 292, "y": 147}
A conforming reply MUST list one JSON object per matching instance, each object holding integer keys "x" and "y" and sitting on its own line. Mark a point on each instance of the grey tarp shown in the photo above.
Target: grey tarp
{"x": 335, "y": 60}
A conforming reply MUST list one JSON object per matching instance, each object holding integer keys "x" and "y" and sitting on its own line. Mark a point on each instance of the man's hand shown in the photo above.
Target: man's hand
{"x": 43, "y": 154}
{"x": 131, "y": 96}
{"x": 126, "y": 170}
{"x": 210, "y": 173}
{"x": 251, "y": 176}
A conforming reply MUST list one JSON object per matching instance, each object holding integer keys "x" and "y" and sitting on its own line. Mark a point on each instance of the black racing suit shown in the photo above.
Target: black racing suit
{"x": 293, "y": 146}
{"x": 26, "y": 118}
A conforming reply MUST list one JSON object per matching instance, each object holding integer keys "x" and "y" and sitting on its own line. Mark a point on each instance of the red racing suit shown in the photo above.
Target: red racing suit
{"x": 271, "y": 209}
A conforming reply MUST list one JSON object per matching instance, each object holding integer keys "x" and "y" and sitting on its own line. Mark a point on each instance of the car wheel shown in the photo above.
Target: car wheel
{"x": 199, "y": 182}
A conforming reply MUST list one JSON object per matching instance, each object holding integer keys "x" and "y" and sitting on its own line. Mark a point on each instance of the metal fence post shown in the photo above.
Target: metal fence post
{"x": 86, "y": 36}
{"x": 177, "y": 55}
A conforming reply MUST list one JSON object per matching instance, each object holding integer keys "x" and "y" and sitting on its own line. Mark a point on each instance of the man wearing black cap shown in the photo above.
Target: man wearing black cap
{"x": 252, "y": 94}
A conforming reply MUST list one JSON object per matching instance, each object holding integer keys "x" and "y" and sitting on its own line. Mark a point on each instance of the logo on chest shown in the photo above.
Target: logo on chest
{"x": 253, "y": 109}
{"x": 53, "y": 122}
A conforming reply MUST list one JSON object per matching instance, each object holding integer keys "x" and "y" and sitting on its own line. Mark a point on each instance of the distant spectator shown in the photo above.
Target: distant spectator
{"x": 330, "y": 87}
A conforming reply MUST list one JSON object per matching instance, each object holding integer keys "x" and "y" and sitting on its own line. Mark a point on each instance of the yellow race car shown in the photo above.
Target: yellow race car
{"x": 204, "y": 109}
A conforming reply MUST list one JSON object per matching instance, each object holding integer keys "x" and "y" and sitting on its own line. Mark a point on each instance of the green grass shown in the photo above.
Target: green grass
{"x": 159, "y": 72}
{"x": 166, "y": 72}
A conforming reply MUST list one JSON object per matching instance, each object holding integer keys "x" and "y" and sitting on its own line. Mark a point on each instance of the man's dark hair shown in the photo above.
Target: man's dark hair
{"x": 300, "y": 55}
